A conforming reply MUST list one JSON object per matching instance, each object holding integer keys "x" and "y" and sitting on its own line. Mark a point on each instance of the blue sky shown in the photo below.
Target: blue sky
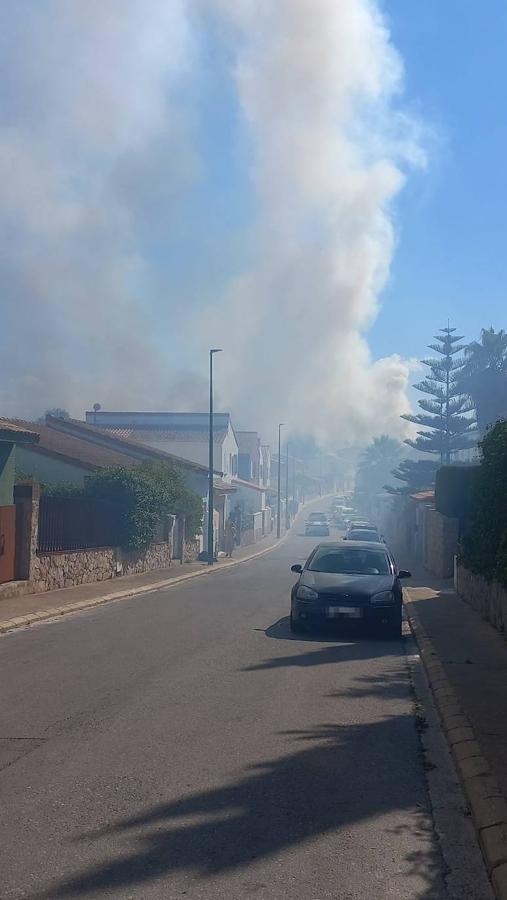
{"x": 451, "y": 259}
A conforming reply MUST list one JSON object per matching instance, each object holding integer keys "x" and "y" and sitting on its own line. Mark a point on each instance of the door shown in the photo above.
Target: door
{"x": 7, "y": 542}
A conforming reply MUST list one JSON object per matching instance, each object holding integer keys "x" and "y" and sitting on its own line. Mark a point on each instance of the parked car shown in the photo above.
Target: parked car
{"x": 317, "y": 524}
{"x": 355, "y": 582}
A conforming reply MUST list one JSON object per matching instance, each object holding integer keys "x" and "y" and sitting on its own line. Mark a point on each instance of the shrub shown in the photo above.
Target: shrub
{"x": 455, "y": 488}
{"x": 484, "y": 547}
{"x": 144, "y": 494}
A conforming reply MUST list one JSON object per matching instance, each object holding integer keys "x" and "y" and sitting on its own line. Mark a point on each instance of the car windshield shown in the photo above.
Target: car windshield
{"x": 353, "y": 561}
{"x": 317, "y": 517}
{"x": 362, "y": 534}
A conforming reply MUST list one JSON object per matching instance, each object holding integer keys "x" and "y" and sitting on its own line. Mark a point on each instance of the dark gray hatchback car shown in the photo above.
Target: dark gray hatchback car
{"x": 352, "y": 581}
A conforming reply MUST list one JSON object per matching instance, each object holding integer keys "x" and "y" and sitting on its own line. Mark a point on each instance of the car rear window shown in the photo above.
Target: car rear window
{"x": 317, "y": 517}
{"x": 353, "y": 561}
{"x": 362, "y": 534}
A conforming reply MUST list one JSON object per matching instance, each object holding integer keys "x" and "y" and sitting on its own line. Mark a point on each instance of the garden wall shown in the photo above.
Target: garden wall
{"x": 65, "y": 569}
{"x": 489, "y": 598}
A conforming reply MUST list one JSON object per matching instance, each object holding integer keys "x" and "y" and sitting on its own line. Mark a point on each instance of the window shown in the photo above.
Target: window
{"x": 350, "y": 561}
{"x": 361, "y": 534}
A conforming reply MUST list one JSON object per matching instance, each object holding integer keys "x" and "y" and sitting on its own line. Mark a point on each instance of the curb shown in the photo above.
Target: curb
{"x": 487, "y": 804}
{"x": 21, "y": 621}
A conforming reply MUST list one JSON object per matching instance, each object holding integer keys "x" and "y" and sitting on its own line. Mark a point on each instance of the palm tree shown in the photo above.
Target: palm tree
{"x": 484, "y": 376}
{"x": 376, "y": 463}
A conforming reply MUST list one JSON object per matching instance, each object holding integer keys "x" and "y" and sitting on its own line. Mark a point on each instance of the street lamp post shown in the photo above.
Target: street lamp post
{"x": 287, "y": 516}
{"x": 211, "y": 549}
{"x": 279, "y": 498}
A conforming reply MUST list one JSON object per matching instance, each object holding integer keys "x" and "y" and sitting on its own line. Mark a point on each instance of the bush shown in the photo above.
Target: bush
{"x": 144, "y": 494}
{"x": 484, "y": 548}
{"x": 455, "y": 488}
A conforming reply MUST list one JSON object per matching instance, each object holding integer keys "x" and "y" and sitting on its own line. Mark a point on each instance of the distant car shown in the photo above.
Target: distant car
{"x": 317, "y": 525}
{"x": 358, "y": 581}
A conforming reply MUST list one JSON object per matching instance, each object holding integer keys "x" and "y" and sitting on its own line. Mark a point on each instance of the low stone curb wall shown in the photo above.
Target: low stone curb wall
{"x": 487, "y": 804}
{"x": 51, "y": 571}
{"x": 489, "y": 598}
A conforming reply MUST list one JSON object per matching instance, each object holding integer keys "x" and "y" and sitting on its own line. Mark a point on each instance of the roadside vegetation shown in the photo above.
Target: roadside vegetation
{"x": 484, "y": 546}
{"x": 143, "y": 494}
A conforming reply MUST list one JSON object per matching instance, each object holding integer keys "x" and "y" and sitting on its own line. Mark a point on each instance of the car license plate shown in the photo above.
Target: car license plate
{"x": 351, "y": 612}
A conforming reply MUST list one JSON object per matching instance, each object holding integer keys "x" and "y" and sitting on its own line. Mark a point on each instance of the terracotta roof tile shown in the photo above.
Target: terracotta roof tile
{"x": 18, "y": 431}
{"x": 73, "y": 449}
{"x": 121, "y": 442}
{"x": 145, "y": 435}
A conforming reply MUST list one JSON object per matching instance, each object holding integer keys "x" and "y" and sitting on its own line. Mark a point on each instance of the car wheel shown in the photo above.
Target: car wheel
{"x": 295, "y": 626}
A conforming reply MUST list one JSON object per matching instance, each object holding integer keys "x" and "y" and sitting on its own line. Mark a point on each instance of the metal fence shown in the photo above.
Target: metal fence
{"x": 77, "y": 523}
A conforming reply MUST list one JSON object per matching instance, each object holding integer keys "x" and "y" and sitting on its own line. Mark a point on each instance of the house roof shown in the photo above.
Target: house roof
{"x": 104, "y": 439}
{"x": 75, "y": 450}
{"x": 17, "y": 432}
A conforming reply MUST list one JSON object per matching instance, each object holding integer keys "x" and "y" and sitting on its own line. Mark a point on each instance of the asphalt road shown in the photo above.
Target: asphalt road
{"x": 184, "y": 744}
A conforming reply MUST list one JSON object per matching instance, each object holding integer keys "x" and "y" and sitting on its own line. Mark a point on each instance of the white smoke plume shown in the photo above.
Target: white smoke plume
{"x": 97, "y": 155}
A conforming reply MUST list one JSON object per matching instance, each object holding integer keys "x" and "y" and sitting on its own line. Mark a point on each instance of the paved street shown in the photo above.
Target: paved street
{"x": 184, "y": 744}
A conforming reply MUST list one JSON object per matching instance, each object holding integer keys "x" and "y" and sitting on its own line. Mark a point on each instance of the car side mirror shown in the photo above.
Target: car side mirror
{"x": 404, "y": 573}
{"x": 297, "y": 568}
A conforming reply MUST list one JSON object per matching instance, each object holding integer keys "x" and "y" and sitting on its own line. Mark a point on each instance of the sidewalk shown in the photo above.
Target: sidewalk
{"x": 466, "y": 662}
{"x": 16, "y": 612}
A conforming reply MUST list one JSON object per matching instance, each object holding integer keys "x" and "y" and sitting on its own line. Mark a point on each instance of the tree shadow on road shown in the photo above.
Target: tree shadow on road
{"x": 347, "y": 644}
{"x": 331, "y": 778}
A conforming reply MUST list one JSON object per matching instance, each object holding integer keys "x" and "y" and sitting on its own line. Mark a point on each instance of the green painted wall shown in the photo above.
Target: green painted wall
{"x": 7, "y": 473}
{"x": 46, "y": 470}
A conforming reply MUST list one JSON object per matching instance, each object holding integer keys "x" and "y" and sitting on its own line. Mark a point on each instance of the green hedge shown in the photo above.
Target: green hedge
{"x": 455, "y": 488}
{"x": 484, "y": 547}
{"x": 143, "y": 494}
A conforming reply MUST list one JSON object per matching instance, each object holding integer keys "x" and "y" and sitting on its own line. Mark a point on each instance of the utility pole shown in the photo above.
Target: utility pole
{"x": 279, "y": 496}
{"x": 211, "y": 467}
{"x": 287, "y": 514}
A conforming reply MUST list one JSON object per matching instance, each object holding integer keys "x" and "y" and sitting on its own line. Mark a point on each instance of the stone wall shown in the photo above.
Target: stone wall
{"x": 158, "y": 556}
{"x": 191, "y": 551}
{"x": 59, "y": 570}
{"x": 66, "y": 569}
{"x": 441, "y": 543}
{"x": 49, "y": 571}
{"x": 488, "y": 598}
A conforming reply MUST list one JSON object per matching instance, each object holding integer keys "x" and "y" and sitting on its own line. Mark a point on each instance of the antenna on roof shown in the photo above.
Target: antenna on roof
{"x": 96, "y": 407}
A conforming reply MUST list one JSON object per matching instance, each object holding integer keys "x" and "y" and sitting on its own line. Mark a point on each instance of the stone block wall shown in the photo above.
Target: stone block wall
{"x": 59, "y": 570}
{"x": 158, "y": 556}
{"x": 488, "y": 598}
{"x": 67, "y": 569}
{"x": 441, "y": 543}
{"x": 48, "y": 571}
{"x": 191, "y": 551}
